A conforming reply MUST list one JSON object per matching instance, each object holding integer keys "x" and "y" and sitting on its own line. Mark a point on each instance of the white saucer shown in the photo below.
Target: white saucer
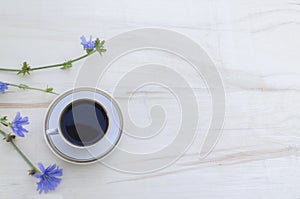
{"x": 89, "y": 154}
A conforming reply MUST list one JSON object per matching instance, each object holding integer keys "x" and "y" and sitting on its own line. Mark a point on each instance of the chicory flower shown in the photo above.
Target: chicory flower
{"x": 48, "y": 178}
{"x": 17, "y": 125}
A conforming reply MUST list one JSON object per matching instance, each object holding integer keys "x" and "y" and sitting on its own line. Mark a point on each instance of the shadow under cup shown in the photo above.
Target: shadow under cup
{"x": 84, "y": 122}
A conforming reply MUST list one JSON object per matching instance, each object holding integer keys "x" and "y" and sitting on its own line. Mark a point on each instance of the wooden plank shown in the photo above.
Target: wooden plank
{"x": 255, "y": 45}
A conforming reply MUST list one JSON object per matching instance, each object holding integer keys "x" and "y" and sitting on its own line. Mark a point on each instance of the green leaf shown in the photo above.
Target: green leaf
{"x": 4, "y": 118}
{"x": 88, "y": 51}
{"x": 3, "y": 121}
{"x": 23, "y": 86}
{"x": 67, "y": 65}
{"x": 49, "y": 90}
{"x": 9, "y": 137}
{"x": 100, "y": 46}
{"x": 25, "y": 69}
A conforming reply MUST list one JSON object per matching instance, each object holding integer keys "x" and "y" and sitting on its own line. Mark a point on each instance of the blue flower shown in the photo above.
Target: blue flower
{"x": 3, "y": 87}
{"x": 17, "y": 125}
{"x": 90, "y": 45}
{"x": 48, "y": 178}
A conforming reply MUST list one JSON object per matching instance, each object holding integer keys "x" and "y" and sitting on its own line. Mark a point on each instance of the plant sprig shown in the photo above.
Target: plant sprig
{"x": 26, "y": 69}
{"x": 9, "y": 137}
{"x": 24, "y": 86}
{"x": 4, "y": 86}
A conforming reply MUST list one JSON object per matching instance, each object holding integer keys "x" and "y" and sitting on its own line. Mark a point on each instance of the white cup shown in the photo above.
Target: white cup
{"x": 83, "y": 149}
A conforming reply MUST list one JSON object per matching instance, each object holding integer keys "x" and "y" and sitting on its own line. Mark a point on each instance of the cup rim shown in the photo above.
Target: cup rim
{"x": 61, "y": 132}
{"x": 64, "y": 156}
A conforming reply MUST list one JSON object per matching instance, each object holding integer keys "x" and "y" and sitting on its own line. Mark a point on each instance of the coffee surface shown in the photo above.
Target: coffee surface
{"x": 84, "y": 122}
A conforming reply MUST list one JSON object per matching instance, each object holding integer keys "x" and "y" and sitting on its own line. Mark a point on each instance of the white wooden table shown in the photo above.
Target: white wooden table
{"x": 255, "y": 46}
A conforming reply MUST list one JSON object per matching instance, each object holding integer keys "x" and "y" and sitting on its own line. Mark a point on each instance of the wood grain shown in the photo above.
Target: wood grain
{"x": 255, "y": 46}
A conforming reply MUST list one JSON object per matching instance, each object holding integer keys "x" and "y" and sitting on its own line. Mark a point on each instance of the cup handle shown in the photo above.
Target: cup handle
{"x": 52, "y": 131}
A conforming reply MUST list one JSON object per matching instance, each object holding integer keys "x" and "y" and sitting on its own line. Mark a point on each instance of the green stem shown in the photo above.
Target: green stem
{"x": 23, "y": 86}
{"x": 53, "y": 65}
{"x": 36, "y": 170}
{"x": 83, "y": 56}
{"x": 62, "y": 64}
{"x": 9, "y": 69}
{"x": 3, "y": 133}
{"x": 4, "y": 122}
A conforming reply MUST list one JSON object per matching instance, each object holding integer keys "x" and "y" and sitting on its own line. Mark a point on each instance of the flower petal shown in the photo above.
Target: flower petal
{"x": 48, "y": 180}
{"x": 41, "y": 166}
